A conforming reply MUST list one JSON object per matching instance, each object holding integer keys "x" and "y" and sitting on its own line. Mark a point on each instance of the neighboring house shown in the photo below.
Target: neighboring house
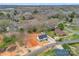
{"x": 42, "y": 37}
{"x": 60, "y": 32}
{"x": 52, "y": 23}
{"x": 28, "y": 17}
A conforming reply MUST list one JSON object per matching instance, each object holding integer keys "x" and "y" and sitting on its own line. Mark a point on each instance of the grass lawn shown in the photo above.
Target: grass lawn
{"x": 4, "y": 21}
{"x": 7, "y": 41}
{"x": 75, "y": 28}
{"x": 74, "y": 44}
{"x": 75, "y": 49}
{"x": 50, "y": 33}
{"x": 72, "y": 37}
{"x": 66, "y": 46}
{"x": 50, "y": 52}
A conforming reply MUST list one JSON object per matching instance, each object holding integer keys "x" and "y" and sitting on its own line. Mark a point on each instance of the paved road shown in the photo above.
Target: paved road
{"x": 68, "y": 41}
{"x": 51, "y": 40}
{"x": 49, "y": 46}
{"x": 40, "y": 50}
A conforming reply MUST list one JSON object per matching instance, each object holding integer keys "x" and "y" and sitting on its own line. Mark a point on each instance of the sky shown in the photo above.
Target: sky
{"x": 39, "y": 3}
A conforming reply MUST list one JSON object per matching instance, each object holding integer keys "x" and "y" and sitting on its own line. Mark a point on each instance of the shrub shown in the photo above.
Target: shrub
{"x": 32, "y": 30}
{"x": 61, "y": 26}
{"x": 21, "y": 30}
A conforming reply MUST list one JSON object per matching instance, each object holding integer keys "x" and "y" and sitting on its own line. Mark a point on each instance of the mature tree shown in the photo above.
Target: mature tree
{"x": 35, "y": 11}
{"x": 71, "y": 16}
{"x": 8, "y": 15}
{"x": 21, "y": 30}
{"x": 1, "y": 14}
{"x": 22, "y": 18}
{"x": 33, "y": 29}
{"x": 61, "y": 26}
{"x": 15, "y": 12}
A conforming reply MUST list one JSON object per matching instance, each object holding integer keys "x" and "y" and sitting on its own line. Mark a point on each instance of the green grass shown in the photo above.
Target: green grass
{"x": 50, "y": 52}
{"x": 75, "y": 28}
{"x": 50, "y": 33}
{"x": 72, "y": 37}
{"x": 7, "y": 41}
{"x": 74, "y": 44}
{"x": 65, "y": 46}
{"x": 4, "y": 21}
